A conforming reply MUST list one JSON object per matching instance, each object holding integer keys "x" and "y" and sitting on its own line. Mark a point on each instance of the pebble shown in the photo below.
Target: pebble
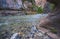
{"x": 33, "y": 33}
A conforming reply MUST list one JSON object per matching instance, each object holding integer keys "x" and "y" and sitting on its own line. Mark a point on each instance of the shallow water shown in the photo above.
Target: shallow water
{"x": 29, "y": 18}
{"x": 14, "y": 24}
{"x": 16, "y": 21}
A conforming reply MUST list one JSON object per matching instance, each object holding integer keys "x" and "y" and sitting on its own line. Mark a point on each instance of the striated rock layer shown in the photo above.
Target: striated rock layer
{"x": 11, "y": 4}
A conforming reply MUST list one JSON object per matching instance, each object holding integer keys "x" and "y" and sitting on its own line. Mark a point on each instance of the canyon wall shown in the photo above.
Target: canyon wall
{"x": 11, "y": 4}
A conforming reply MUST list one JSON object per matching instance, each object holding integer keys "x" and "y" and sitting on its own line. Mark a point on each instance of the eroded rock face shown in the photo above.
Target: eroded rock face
{"x": 11, "y": 4}
{"x": 52, "y": 20}
{"x": 40, "y": 3}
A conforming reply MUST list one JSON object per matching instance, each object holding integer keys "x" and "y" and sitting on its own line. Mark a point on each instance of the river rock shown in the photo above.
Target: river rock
{"x": 31, "y": 35}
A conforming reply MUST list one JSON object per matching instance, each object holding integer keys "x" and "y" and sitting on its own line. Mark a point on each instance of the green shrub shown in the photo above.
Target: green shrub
{"x": 38, "y": 9}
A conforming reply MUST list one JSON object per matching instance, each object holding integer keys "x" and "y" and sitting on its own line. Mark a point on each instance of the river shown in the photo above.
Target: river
{"x": 14, "y": 24}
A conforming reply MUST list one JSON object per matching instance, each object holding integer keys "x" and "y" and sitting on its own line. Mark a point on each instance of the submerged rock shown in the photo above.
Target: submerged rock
{"x": 33, "y": 34}
{"x": 15, "y": 36}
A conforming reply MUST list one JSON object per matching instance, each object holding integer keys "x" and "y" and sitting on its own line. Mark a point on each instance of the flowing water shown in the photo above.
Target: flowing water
{"x": 25, "y": 25}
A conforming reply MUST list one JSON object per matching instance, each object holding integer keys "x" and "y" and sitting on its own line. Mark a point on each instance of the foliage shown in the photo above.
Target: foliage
{"x": 38, "y": 9}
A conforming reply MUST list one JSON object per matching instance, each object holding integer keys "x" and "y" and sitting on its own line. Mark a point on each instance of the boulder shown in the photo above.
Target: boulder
{"x": 10, "y": 4}
{"x": 51, "y": 21}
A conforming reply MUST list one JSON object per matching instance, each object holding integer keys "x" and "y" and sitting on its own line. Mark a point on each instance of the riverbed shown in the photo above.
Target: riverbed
{"x": 14, "y": 24}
